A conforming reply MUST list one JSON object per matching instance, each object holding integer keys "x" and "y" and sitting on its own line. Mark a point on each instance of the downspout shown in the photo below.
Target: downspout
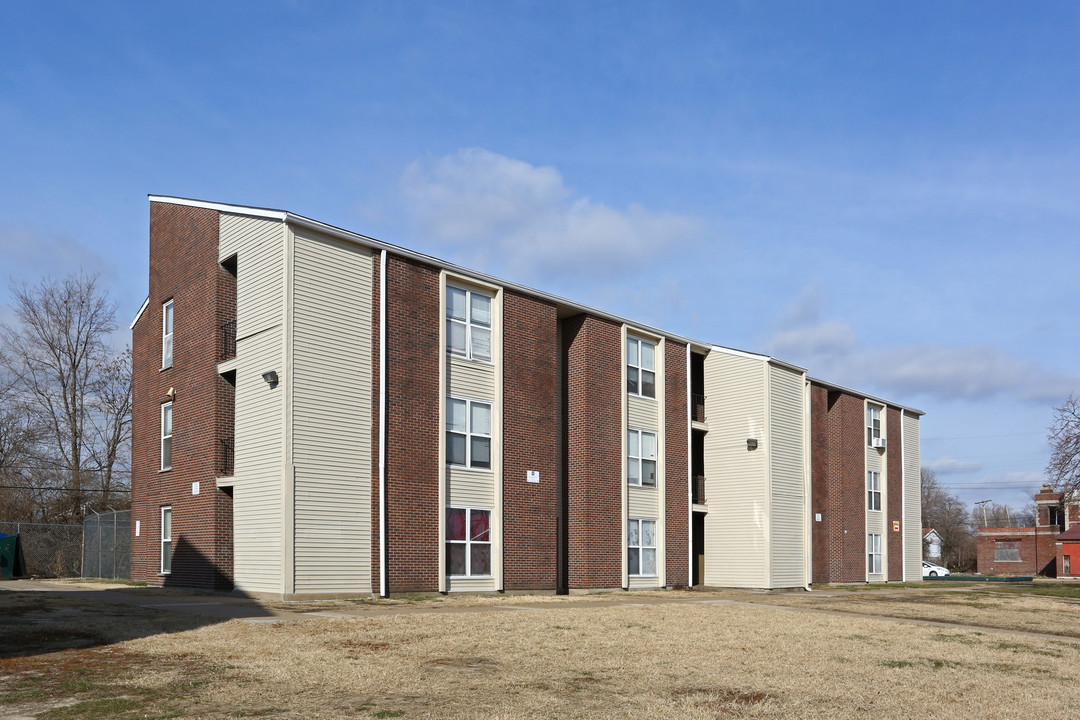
{"x": 903, "y": 504}
{"x": 383, "y": 554}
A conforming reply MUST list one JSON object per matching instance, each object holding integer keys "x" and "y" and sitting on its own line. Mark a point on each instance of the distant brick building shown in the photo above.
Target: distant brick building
{"x": 317, "y": 413}
{"x": 1024, "y": 550}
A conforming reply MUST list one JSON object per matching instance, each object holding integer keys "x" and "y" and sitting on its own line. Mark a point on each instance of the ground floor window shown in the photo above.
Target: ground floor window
{"x": 468, "y": 542}
{"x": 166, "y": 540}
{"x": 641, "y": 547}
{"x": 1066, "y": 564}
{"x": 873, "y": 553}
{"x": 1007, "y": 551}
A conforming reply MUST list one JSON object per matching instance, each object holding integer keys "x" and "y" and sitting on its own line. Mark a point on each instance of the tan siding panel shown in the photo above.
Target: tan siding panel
{"x": 469, "y": 488}
{"x": 260, "y": 277}
{"x": 644, "y": 583}
{"x": 786, "y": 457}
{"x": 331, "y": 391}
{"x": 735, "y": 490}
{"x": 260, "y": 411}
{"x": 642, "y": 413}
{"x": 470, "y": 584}
{"x": 643, "y": 502}
{"x": 470, "y": 379}
{"x": 912, "y": 499}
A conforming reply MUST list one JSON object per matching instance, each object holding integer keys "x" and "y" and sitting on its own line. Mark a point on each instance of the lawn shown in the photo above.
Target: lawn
{"x": 554, "y": 659}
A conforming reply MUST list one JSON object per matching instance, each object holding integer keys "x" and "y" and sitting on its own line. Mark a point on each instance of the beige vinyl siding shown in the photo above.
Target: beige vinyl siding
{"x": 470, "y": 584}
{"x": 331, "y": 394}
{"x": 470, "y": 488}
{"x": 257, "y": 244}
{"x": 912, "y": 497}
{"x": 259, "y": 427}
{"x": 470, "y": 379}
{"x": 788, "y": 505}
{"x": 642, "y": 413}
{"x": 643, "y": 502}
{"x": 735, "y": 485}
{"x": 644, "y": 583}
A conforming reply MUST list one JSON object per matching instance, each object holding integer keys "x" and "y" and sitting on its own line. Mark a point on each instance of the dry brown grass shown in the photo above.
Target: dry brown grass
{"x": 671, "y": 660}
{"x": 975, "y": 607}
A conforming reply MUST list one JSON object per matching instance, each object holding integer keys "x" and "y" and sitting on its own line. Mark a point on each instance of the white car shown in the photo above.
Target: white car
{"x": 929, "y": 569}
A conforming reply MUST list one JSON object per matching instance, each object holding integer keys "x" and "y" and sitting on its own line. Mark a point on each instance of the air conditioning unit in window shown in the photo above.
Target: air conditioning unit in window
{"x": 879, "y": 442}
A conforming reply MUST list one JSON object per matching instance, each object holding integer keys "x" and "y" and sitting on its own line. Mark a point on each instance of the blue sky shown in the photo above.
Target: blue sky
{"x": 885, "y": 194}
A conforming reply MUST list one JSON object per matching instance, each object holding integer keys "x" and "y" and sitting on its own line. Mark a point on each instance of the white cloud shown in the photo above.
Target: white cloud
{"x": 831, "y": 349}
{"x": 32, "y": 255}
{"x": 952, "y": 466}
{"x": 498, "y": 211}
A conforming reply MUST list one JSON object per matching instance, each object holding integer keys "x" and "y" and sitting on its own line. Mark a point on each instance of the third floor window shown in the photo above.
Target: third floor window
{"x": 640, "y": 367}
{"x": 468, "y": 323}
{"x": 166, "y": 334}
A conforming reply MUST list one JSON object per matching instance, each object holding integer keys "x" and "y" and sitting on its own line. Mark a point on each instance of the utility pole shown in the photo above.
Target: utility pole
{"x": 983, "y": 504}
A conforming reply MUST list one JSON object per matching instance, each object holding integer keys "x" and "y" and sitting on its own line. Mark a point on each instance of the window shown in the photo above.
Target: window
{"x": 468, "y": 433}
{"x": 873, "y": 490}
{"x": 873, "y": 424}
{"x": 1007, "y": 551}
{"x": 641, "y": 458}
{"x": 640, "y": 367}
{"x": 166, "y": 540}
{"x": 166, "y": 334}
{"x": 1053, "y": 515}
{"x": 873, "y": 553}
{"x": 1066, "y": 564}
{"x": 166, "y": 436}
{"x": 641, "y": 547}
{"x": 468, "y": 542}
{"x": 468, "y": 323}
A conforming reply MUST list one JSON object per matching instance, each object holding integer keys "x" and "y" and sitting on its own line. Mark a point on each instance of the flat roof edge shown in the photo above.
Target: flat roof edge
{"x": 868, "y": 396}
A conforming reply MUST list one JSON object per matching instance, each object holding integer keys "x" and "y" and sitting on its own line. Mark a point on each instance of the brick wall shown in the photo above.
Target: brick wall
{"x": 894, "y": 475}
{"x": 594, "y": 453}
{"x": 1038, "y": 553}
{"x": 530, "y": 431}
{"x": 412, "y": 457}
{"x": 677, "y": 460}
{"x": 838, "y": 485}
{"x": 184, "y": 267}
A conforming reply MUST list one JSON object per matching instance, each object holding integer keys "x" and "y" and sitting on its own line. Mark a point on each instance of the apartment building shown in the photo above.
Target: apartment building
{"x": 317, "y": 413}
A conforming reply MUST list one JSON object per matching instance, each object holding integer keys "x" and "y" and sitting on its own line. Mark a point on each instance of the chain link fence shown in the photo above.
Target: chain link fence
{"x": 50, "y": 550}
{"x": 107, "y": 545}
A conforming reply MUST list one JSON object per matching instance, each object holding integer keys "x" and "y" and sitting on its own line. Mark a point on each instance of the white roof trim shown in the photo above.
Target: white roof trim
{"x": 302, "y": 221}
{"x": 138, "y": 315}
{"x": 757, "y": 356}
{"x": 222, "y": 207}
{"x": 861, "y": 394}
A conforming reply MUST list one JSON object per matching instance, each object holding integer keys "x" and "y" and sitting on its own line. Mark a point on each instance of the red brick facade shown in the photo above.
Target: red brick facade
{"x": 838, "y": 485}
{"x": 594, "y": 454}
{"x": 183, "y": 267}
{"x": 530, "y": 432}
{"x": 676, "y": 465}
{"x": 413, "y": 355}
{"x": 894, "y": 492}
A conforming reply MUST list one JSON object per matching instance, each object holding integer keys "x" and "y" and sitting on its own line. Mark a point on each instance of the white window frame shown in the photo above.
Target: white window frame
{"x": 167, "y": 327}
{"x": 633, "y": 347}
{"x": 166, "y": 540}
{"x": 640, "y": 547}
{"x": 166, "y": 409}
{"x": 873, "y": 553}
{"x": 873, "y": 490}
{"x": 873, "y": 424}
{"x": 469, "y": 433}
{"x": 469, "y": 325}
{"x": 637, "y": 462}
{"x": 468, "y": 542}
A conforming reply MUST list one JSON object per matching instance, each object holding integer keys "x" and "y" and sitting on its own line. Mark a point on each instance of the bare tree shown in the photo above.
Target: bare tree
{"x": 76, "y": 391}
{"x": 1063, "y": 469}
{"x": 947, "y": 514}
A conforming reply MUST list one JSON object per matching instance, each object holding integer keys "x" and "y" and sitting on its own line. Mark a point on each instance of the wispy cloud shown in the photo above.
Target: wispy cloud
{"x": 832, "y": 349}
{"x": 31, "y": 255}
{"x": 952, "y": 466}
{"x": 497, "y": 210}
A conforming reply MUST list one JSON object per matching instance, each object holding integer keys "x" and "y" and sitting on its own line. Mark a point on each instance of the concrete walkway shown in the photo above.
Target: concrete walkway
{"x": 228, "y": 607}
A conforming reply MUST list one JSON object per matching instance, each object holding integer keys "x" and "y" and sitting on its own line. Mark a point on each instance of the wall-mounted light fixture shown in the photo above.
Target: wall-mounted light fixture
{"x": 271, "y": 378}
{"x": 171, "y": 394}
{"x": 751, "y": 443}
